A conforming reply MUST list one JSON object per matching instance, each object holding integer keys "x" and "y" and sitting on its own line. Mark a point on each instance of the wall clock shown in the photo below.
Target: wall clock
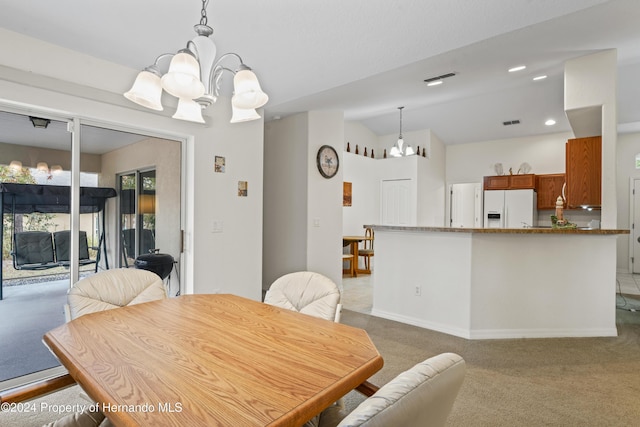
{"x": 327, "y": 161}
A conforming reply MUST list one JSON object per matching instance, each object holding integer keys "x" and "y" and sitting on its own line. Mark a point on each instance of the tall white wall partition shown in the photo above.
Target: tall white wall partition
{"x": 302, "y": 209}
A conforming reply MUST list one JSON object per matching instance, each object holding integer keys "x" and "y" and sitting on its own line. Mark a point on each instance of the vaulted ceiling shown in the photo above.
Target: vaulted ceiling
{"x": 369, "y": 57}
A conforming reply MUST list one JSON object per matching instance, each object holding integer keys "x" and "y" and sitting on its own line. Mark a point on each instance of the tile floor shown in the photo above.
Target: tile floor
{"x": 628, "y": 283}
{"x": 357, "y": 291}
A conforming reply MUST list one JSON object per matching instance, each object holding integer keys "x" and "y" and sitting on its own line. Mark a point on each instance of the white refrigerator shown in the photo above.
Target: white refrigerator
{"x": 510, "y": 208}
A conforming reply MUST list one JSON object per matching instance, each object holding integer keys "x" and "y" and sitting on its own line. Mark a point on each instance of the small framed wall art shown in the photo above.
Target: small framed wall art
{"x": 346, "y": 194}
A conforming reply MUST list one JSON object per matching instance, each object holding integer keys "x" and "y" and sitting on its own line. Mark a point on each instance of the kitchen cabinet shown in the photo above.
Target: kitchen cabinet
{"x": 584, "y": 172}
{"x": 498, "y": 182}
{"x": 522, "y": 182}
{"x": 548, "y": 188}
{"x": 510, "y": 182}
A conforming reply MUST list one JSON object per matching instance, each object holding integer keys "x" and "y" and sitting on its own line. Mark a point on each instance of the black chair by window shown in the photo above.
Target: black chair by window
{"x": 62, "y": 242}
{"x": 33, "y": 250}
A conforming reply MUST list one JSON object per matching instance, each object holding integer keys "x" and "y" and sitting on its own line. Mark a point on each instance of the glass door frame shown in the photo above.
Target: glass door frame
{"x": 73, "y": 126}
{"x": 138, "y": 193}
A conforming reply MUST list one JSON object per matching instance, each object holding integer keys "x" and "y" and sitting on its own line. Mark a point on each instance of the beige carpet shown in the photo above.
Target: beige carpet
{"x": 524, "y": 382}
{"x": 519, "y": 382}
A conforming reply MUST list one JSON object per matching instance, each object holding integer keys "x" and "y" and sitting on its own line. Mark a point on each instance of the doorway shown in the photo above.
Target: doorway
{"x": 137, "y": 218}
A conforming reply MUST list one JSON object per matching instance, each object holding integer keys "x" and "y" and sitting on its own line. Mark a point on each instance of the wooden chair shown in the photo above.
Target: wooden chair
{"x": 367, "y": 250}
{"x": 350, "y": 258}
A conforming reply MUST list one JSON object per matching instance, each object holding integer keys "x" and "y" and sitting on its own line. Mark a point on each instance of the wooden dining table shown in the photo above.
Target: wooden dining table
{"x": 212, "y": 360}
{"x": 352, "y": 242}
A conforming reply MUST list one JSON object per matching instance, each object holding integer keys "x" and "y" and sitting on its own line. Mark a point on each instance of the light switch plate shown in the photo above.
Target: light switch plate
{"x": 217, "y": 226}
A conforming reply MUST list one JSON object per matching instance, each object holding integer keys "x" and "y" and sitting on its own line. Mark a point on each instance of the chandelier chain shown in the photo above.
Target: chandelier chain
{"x": 203, "y": 12}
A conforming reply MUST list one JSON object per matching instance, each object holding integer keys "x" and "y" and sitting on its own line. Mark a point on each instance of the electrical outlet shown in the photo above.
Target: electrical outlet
{"x": 418, "y": 291}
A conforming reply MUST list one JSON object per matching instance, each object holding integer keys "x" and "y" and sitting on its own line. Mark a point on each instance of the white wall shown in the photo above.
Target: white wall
{"x": 324, "y": 197}
{"x": 355, "y": 133}
{"x": 42, "y": 77}
{"x": 285, "y": 197}
{"x": 428, "y": 183}
{"x": 360, "y": 171}
{"x": 431, "y": 184}
{"x": 471, "y": 162}
{"x": 297, "y": 197}
{"x": 628, "y": 148}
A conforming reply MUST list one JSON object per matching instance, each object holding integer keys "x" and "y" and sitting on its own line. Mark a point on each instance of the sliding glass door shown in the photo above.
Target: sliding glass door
{"x": 35, "y": 156}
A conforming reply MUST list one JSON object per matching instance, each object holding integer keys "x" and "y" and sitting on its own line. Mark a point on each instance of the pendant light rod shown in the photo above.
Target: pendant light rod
{"x": 400, "y": 149}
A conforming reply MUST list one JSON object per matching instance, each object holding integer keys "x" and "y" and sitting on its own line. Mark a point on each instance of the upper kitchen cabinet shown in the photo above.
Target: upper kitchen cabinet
{"x": 510, "y": 182}
{"x": 584, "y": 172}
{"x": 498, "y": 182}
{"x": 548, "y": 188}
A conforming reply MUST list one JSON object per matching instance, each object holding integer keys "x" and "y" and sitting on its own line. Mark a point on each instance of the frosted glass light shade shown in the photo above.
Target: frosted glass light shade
{"x": 248, "y": 93}
{"x": 243, "y": 115}
{"x": 183, "y": 78}
{"x": 15, "y": 165}
{"x": 43, "y": 166}
{"x": 146, "y": 91}
{"x": 189, "y": 110}
{"x": 409, "y": 151}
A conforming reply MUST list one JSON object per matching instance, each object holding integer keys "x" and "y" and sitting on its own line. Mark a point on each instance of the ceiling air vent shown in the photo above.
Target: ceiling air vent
{"x": 444, "y": 76}
{"x": 511, "y": 122}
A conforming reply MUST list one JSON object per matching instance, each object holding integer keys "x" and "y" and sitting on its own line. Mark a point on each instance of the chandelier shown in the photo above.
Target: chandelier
{"x": 194, "y": 75}
{"x": 399, "y": 149}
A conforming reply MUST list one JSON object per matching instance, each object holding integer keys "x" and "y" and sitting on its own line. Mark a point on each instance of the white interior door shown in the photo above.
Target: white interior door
{"x": 466, "y": 207}
{"x": 396, "y": 202}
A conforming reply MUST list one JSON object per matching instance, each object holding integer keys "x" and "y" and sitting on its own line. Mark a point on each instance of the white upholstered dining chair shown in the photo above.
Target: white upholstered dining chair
{"x": 107, "y": 290}
{"x": 306, "y": 292}
{"x": 112, "y": 289}
{"x": 422, "y": 396}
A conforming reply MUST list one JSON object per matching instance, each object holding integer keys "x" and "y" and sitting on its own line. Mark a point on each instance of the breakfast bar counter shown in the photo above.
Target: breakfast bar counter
{"x": 481, "y": 283}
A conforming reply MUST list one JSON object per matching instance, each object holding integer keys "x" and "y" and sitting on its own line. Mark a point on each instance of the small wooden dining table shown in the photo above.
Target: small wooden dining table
{"x": 353, "y": 242}
{"x": 212, "y": 360}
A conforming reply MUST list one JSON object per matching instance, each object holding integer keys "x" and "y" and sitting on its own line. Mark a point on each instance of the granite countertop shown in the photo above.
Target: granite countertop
{"x": 532, "y": 230}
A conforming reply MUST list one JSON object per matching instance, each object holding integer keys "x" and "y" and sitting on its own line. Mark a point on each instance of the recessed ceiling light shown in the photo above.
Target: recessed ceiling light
{"x": 518, "y": 68}
{"x": 539, "y": 78}
{"x": 435, "y": 83}
{"x": 550, "y": 122}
